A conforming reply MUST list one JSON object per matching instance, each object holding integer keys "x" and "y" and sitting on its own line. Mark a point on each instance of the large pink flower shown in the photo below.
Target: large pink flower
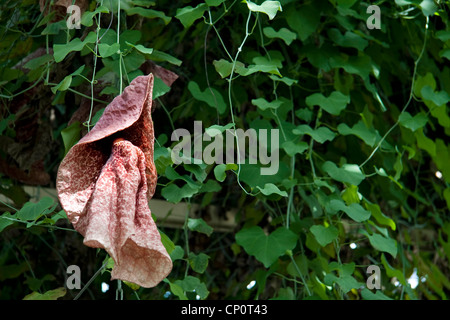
{"x": 104, "y": 184}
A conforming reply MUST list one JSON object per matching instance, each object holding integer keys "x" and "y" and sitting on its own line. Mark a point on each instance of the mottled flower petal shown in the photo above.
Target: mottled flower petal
{"x": 104, "y": 184}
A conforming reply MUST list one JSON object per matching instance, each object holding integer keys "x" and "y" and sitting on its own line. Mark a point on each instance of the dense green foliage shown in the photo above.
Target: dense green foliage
{"x": 364, "y": 159}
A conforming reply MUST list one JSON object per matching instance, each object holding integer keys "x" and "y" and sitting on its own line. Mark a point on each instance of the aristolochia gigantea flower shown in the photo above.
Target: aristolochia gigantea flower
{"x": 104, "y": 184}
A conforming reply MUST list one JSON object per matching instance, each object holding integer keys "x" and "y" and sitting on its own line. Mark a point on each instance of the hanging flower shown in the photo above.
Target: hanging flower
{"x": 104, "y": 184}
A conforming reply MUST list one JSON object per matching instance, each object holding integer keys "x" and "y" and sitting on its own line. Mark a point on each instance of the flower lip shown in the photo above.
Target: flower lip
{"x": 104, "y": 184}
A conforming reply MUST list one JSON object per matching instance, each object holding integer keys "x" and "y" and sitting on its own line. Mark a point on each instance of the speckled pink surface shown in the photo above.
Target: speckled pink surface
{"x": 104, "y": 184}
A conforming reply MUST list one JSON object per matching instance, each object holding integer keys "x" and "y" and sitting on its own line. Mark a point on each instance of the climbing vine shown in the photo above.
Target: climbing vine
{"x": 353, "y": 120}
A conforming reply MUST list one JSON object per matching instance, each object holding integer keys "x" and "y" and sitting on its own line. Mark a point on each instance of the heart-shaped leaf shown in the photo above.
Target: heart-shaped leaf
{"x": 266, "y": 248}
{"x": 324, "y": 235}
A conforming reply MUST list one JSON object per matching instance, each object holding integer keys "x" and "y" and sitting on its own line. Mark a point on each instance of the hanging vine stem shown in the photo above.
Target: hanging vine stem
{"x": 94, "y": 69}
{"x": 90, "y": 281}
{"x": 120, "y": 53}
{"x": 411, "y": 95}
{"x": 247, "y": 34}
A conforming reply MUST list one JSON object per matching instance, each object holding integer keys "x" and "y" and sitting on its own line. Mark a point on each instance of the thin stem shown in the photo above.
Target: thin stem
{"x": 90, "y": 281}
{"x": 118, "y": 41}
{"x": 186, "y": 236}
{"x": 411, "y": 94}
{"x": 247, "y": 34}
{"x": 93, "y": 71}
{"x": 300, "y": 273}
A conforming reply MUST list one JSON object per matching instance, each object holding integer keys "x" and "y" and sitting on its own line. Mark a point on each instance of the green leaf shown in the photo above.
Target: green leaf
{"x": 132, "y": 286}
{"x": 214, "y": 3}
{"x": 199, "y": 225}
{"x": 274, "y": 62}
{"x": 67, "y": 81}
{"x": 88, "y": 17}
{"x": 216, "y": 129}
{"x": 157, "y": 55}
{"x": 284, "y": 34}
{"x": 443, "y": 35}
{"x": 271, "y": 69}
{"x": 268, "y": 7}
{"x": 398, "y": 167}
{"x": 428, "y": 7}
{"x": 321, "y": 134}
{"x": 59, "y": 215}
{"x": 188, "y": 15}
{"x": 5, "y": 221}
{"x": 324, "y": 235}
{"x": 176, "y": 289}
{"x": 39, "y": 61}
{"x": 382, "y": 243}
{"x": 266, "y": 248}
{"x": 304, "y": 114}
{"x": 288, "y": 81}
{"x": 35, "y": 283}
{"x": 438, "y": 98}
{"x": 379, "y": 216}
{"x": 71, "y": 135}
{"x": 446, "y": 195}
{"x": 351, "y": 195}
{"x": 349, "y": 39}
{"x": 63, "y": 85}
{"x": 304, "y": 21}
{"x": 355, "y": 211}
{"x": 193, "y": 284}
{"x": 172, "y": 175}
{"x": 149, "y": 14}
{"x": 366, "y": 294}
{"x": 143, "y": 3}
{"x": 361, "y": 65}
{"x": 198, "y": 262}
{"x": 159, "y": 88}
{"x": 142, "y": 49}
{"x": 219, "y": 170}
{"x": 110, "y": 90}
{"x": 97, "y": 116}
{"x": 210, "y": 186}
{"x": 334, "y": 104}
{"x": 321, "y": 183}
{"x": 167, "y": 243}
{"x": 445, "y": 53}
{"x": 210, "y": 95}
{"x": 270, "y": 188}
{"x": 174, "y": 194}
{"x": 133, "y": 61}
{"x": 60, "y": 51}
{"x": 224, "y": 68}
{"x": 345, "y": 280}
{"x": 293, "y": 148}
{"x": 346, "y": 3}
{"x": 442, "y": 159}
{"x": 425, "y": 143}
{"x": 349, "y": 173}
{"x": 263, "y": 104}
{"x": 199, "y": 171}
{"x": 49, "y": 295}
{"x": 107, "y": 50}
{"x": 369, "y": 136}
{"x": 33, "y": 211}
{"x": 54, "y": 28}
{"x": 177, "y": 253}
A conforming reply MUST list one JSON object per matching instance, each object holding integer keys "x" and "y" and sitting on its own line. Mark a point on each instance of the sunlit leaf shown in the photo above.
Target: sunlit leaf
{"x": 266, "y": 248}
{"x": 268, "y": 7}
{"x": 333, "y": 104}
{"x": 349, "y": 173}
{"x": 324, "y": 235}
